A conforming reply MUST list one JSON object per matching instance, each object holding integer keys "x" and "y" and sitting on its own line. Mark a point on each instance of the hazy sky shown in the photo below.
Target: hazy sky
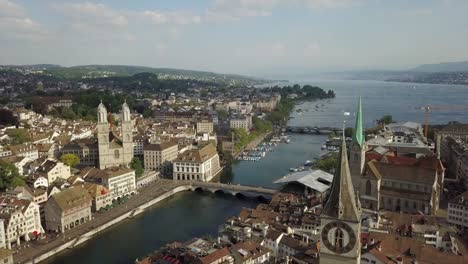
{"x": 256, "y": 37}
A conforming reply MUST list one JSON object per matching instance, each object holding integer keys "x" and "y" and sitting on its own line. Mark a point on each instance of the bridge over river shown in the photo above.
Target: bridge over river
{"x": 234, "y": 189}
{"x": 312, "y": 130}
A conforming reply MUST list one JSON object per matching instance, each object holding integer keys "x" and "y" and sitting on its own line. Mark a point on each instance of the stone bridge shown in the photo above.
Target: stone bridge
{"x": 312, "y": 130}
{"x": 233, "y": 189}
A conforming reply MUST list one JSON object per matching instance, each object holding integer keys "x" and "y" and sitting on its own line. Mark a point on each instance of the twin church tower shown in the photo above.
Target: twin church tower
{"x": 341, "y": 216}
{"x": 114, "y": 151}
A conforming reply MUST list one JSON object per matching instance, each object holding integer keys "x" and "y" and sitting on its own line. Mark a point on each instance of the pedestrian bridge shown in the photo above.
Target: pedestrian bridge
{"x": 234, "y": 189}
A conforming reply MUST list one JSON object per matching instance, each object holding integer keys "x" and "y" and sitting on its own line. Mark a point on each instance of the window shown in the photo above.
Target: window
{"x": 116, "y": 154}
{"x": 368, "y": 187}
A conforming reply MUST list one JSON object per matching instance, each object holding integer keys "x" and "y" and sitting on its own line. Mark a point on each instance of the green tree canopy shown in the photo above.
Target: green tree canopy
{"x": 137, "y": 166}
{"x": 19, "y": 135}
{"x": 328, "y": 163}
{"x": 70, "y": 159}
{"x": 260, "y": 125}
{"x": 385, "y": 120}
{"x": 9, "y": 176}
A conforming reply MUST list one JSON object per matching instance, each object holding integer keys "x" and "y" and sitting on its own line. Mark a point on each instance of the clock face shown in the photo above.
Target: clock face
{"x": 338, "y": 237}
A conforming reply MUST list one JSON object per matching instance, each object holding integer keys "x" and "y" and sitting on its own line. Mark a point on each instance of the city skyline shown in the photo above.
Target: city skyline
{"x": 254, "y": 37}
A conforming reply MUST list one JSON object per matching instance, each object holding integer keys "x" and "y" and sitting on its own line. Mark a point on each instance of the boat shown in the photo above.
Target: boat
{"x": 293, "y": 169}
{"x": 308, "y": 163}
{"x": 324, "y": 147}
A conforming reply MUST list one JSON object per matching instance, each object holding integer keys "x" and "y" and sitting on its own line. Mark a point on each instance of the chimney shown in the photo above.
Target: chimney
{"x": 372, "y": 241}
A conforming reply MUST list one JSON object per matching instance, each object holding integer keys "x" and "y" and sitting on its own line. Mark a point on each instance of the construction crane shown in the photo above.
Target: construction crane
{"x": 429, "y": 108}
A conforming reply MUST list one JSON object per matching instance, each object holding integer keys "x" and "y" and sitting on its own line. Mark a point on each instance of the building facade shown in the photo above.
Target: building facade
{"x": 114, "y": 151}
{"x": 385, "y": 178}
{"x": 241, "y": 122}
{"x": 119, "y": 181}
{"x": 86, "y": 150}
{"x": 53, "y": 170}
{"x": 68, "y": 209}
{"x": 204, "y": 126}
{"x": 159, "y": 157}
{"x": 457, "y": 213}
{"x": 197, "y": 165}
{"x": 21, "y": 218}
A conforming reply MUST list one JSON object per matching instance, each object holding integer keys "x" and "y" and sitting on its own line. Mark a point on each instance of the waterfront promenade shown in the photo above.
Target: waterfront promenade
{"x": 31, "y": 250}
{"x": 35, "y": 251}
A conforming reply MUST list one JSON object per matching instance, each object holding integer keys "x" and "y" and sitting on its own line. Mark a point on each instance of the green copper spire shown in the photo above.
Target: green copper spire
{"x": 342, "y": 202}
{"x": 358, "y": 136}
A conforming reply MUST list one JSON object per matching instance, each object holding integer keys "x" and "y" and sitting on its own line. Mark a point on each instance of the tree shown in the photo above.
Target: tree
{"x": 261, "y": 126}
{"x": 9, "y": 176}
{"x": 328, "y": 163}
{"x": 7, "y": 117}
{"x": 137, "y": 166}
{"x": 19, "y": 135}
{"x": 222, "y": 114}
{"x": 385, "y": 120}
{"x": 70, "y": 159}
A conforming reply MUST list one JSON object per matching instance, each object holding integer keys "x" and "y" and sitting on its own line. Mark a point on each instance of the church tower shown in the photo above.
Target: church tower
{"x": 357, "y": 151}
{"x": 114, "y": 151}
{"x": 103, "y": 135}
{"x": 127, "y": 134}
{"x": 341, "y": 218}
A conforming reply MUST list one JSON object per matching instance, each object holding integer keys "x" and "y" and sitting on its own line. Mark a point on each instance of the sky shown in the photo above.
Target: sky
{"x": 254, "y": 37}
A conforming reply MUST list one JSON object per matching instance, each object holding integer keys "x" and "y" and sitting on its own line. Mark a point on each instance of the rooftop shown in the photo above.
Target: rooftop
{"x": 314, "y": 179}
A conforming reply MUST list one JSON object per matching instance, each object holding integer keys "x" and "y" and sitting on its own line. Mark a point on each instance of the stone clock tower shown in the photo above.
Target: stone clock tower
{"x": 341, "y": 218}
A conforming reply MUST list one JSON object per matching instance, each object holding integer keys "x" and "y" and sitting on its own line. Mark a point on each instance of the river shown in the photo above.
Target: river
{"x": 187, "y": 215}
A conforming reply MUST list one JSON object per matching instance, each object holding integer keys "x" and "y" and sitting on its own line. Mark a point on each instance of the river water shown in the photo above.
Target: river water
{"x": 187, "y": 215}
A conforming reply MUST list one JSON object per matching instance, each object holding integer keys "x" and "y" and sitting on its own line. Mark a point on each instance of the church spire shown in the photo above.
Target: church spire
{"x": 102, "y": 113}
{"x": 358, "y": 136}
{"x": 342, "y": 203}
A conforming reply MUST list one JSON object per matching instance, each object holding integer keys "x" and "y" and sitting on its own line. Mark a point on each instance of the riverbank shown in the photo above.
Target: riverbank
{"x": 253, "y": 144}
{"x": 34, "y": 252}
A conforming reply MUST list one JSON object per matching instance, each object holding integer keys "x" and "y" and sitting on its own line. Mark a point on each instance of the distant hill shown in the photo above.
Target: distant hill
{"x": 461, "y": 66}
{"x": 441, "y": 73}
{"x": 127, "y": 70}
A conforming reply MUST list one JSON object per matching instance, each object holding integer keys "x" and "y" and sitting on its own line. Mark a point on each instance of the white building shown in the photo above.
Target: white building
{"x": 24, "y": 150}
{"x": 204, "y": 126}
{"x": 2, "y": 234}
{"x": 197, "y": 164}
{"x": 53, "y": 170}
{"x": 159, "y": 157}
{"x": 119, "y": 181}
{"x": 22, "y": 220}
{"x": 272, "y": 241}
{"x": 457, "y": 213}
{"x": 244, "y": 122}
